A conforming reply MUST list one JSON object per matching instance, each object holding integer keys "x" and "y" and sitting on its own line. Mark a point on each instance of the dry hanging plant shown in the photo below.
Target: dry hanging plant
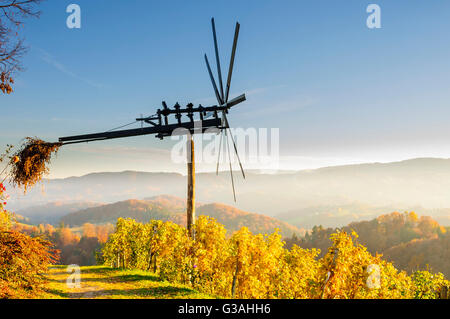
{"x": 30, "y": 163}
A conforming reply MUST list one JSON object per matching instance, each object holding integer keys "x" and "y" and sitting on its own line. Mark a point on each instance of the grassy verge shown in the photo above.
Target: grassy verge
{"x": 108, "y": 283}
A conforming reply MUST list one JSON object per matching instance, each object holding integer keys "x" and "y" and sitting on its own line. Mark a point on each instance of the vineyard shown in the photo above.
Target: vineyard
{"x": 245, "y": 265}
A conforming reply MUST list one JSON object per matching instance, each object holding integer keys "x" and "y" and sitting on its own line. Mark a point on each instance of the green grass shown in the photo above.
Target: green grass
{"x": 109, "y": 283}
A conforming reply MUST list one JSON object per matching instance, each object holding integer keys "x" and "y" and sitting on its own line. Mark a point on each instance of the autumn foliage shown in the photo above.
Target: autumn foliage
{"x": 409, "y": 241}
{"x": 245, "y": 265}
{"x": 79, "y": 247}
{"x": 5, "y": 83}
{"x": 30, "y": 162}
{"x": 23, "y": 259}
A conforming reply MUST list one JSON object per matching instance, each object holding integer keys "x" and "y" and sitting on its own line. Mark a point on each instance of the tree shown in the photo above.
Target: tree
{"x": 12, "y": 49}
{"x": 23, "y": 259}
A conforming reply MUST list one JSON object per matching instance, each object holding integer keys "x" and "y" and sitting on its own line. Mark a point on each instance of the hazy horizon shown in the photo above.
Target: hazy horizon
{"x": 182, "y": 170}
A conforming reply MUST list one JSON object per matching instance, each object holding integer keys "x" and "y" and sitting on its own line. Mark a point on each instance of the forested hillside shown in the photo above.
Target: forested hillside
{"x": 409, "y": 241}
{"x": 170, "y": 208}
{"x": 432, "y": 253}
{"x": 397, "y": 186}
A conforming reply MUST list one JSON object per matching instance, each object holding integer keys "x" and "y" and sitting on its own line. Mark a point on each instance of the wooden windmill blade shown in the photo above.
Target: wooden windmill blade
{"x": 231, "y": 169}
{"x": 234, "y": 144}
{"x": 211, "y": 76}
{"x": 216, "y": 50}
{"x": 225, "y": 122}
{"x": 220, "y": 148}
{"x": 233, "y": 53}
{"x": 223, "y": 99}
{"x": 230, "y": 73}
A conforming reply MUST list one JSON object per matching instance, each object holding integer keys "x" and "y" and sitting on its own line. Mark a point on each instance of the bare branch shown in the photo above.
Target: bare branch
{"x": 12, "y": 16}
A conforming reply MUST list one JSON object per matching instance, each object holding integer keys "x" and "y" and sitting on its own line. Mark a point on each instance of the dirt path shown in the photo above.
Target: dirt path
{"x": 104, "y": 282}
{"x": 60, "y": 276}
{"x": 86, "y": 292}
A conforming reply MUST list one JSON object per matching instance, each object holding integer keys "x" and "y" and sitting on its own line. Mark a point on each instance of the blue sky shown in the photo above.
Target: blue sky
{"x": 338, "y": 91}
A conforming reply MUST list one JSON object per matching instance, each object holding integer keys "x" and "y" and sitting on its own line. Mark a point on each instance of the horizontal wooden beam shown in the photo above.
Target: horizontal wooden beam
{"x": 161, "y": 130}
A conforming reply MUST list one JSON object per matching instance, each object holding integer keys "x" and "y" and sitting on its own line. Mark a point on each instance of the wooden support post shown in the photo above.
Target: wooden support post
{"x": 190, "y": 206}
{"x": 444, "y": 293}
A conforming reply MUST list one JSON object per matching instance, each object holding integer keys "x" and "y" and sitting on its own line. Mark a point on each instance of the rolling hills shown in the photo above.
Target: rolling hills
{"x": 50, "y": 213}
{"x": 170, "y": 208}
{"x": 342, "y": 215}
{"x": 398, "y": 186}
{"x": 410, "y": 241}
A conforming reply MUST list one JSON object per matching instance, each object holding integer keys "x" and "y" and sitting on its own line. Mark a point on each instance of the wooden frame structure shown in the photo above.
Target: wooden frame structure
{"x": 207, "y": 118}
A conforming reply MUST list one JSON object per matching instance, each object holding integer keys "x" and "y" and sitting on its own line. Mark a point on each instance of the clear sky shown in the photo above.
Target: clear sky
{"x": 338, "y": 91}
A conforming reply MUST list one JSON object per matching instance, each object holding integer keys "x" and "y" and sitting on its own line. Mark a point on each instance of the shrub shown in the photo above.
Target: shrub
{"x": 23, "y": 259}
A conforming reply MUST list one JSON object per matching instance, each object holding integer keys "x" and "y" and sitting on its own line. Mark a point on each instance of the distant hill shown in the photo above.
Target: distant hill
{"x": 433, "y": 253}
{"x": 423, "y": 182}
{"x": 169, "y": 201}
{"x": 342, "y": 215}
{"x": 331, "y": 216}
{"x": 140, "y": 210}
{"x": 409, "y": 241}
{"x": 173, "y": 209}
{"x": 234, "y": 219}
{"x": 51, "y": 213}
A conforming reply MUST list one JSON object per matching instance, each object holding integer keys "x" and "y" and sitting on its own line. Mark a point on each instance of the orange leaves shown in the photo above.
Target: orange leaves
{"x": 6, "y": 88}
{"x": 5, "y": 83}
{"x": 22, "y": 260}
